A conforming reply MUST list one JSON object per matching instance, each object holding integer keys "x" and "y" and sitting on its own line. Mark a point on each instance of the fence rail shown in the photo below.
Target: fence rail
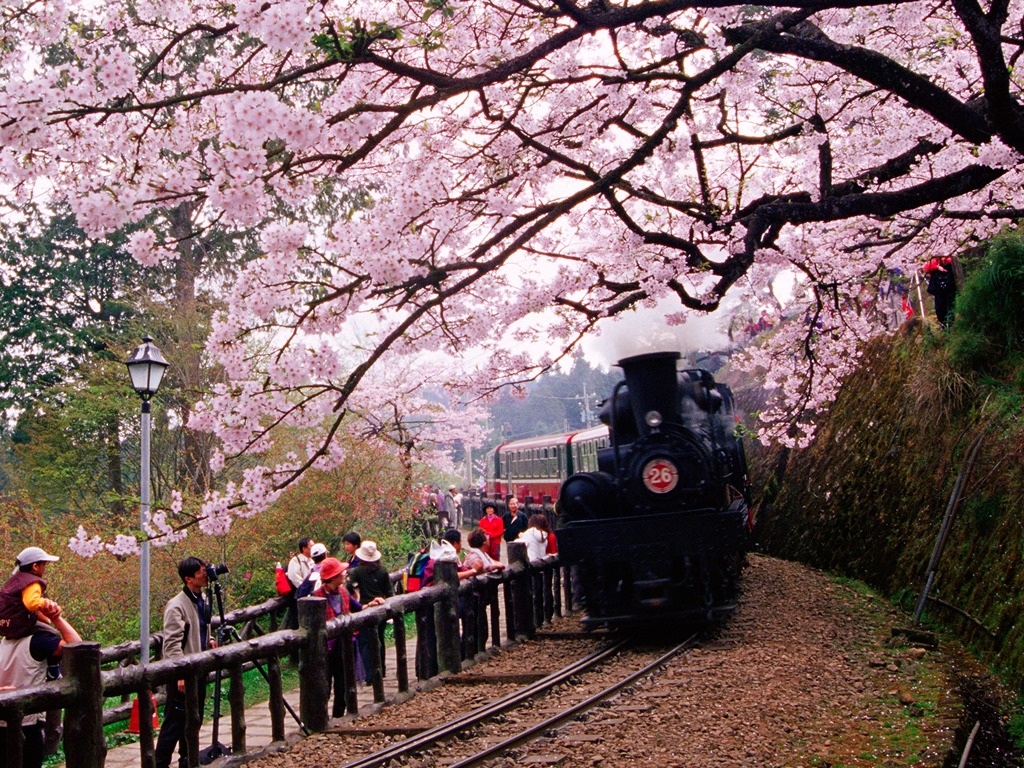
{"x": 455, "y": 620}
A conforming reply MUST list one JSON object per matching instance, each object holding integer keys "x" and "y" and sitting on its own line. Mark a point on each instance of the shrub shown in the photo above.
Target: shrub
{"x": 989, "y": 325}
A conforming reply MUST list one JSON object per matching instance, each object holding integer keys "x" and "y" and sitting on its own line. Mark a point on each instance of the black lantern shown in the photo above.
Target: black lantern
{"x": 146, "y": 366}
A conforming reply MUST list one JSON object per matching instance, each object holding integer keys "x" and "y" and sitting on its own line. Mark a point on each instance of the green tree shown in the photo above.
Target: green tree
{"x": 988, "y": 329}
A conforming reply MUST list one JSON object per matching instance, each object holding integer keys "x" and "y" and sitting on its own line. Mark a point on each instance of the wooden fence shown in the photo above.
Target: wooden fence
{"x": 465, "y": 618}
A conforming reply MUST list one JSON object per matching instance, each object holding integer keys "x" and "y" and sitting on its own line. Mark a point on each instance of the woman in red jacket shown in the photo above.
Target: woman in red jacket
{"x": 494, "y": 527}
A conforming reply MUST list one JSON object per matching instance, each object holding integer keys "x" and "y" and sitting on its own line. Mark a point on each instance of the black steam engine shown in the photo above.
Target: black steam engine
{"x": 659, "y": 532}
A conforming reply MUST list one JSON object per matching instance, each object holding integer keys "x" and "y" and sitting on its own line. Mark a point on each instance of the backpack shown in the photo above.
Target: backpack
{"x": 412, "y": 574}
{"x": 307, "y": 586}
{"x": 284, "y": 587}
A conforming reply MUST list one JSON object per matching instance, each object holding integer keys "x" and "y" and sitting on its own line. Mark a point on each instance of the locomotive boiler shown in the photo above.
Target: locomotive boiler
{"x": 659, "y": 532}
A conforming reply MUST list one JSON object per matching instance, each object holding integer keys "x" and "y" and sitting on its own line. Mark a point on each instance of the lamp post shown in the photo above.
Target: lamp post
{"x": 146, "y": 367}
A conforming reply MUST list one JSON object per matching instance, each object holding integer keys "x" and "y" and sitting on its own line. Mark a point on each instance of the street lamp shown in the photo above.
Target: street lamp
{"x": 146, "y": 367}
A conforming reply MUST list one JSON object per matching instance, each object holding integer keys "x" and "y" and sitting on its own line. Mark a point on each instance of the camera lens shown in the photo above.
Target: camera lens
{"x": 213, "y": 571}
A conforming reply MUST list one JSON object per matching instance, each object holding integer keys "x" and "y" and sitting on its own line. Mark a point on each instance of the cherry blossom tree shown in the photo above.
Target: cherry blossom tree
{"x": 528, "y": 168}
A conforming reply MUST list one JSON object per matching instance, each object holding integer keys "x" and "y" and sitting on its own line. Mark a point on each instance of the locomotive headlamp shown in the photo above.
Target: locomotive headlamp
{"x": 653, "y": 419}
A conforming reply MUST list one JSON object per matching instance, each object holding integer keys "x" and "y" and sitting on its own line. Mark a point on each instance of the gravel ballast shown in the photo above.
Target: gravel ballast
{"x": 805, "y": 673}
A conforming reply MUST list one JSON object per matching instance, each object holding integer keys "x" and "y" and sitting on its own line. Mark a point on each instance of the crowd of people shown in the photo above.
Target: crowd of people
{"x": 359, "y": 579}
{"x": 34, "y": 631}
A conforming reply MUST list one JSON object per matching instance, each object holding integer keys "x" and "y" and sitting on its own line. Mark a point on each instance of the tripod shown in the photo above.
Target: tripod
{"x": 227, "y": 633}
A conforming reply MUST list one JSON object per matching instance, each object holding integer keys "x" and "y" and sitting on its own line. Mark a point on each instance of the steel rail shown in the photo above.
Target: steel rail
{"x": 535, "y": 730}
{"x": 486, "y": 711}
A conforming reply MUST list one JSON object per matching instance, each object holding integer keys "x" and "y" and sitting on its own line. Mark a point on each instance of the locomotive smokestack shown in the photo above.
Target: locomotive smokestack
{"x": 653, "y": 388}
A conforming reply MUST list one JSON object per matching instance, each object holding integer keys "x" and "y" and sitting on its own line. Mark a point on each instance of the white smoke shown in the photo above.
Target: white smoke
{"x": 645, "y": 330}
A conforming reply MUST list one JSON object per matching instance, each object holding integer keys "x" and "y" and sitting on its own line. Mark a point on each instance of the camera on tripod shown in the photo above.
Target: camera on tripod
{"x": 213, "y": 571}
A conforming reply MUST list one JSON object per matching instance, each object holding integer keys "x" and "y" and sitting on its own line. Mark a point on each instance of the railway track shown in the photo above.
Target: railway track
{"x": 804, "y": 673}
{"x": 514, "y": 719}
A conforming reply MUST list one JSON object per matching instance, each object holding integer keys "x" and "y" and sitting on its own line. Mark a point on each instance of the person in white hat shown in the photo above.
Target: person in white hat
{"x": 22, "y": 598}
{"x": 370, "y": 581}
{"x": 27, "y": 654}
{"x": 318, "y": 552}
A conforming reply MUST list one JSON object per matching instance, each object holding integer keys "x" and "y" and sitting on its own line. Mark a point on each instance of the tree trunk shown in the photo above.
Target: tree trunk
{"x": 190, "y": 323}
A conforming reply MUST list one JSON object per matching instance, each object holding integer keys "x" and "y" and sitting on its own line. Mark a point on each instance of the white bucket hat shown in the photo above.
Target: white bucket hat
{"x": 368, "y": 552}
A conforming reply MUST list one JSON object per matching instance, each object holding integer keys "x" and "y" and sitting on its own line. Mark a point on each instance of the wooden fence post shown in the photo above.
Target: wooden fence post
{"x": 449, "y": 651}
{"x": 314, "y": 690}
{"x": 510, "y": 613}
{"x": 345, "y": 649}
{"x": 236, "y": 702}
{"x": 495, "y": 614}
{"x": 195, "y": 702}
{"x": 522, "y": 589}
{"x": 276, "y": 703}
{"x": 147, "y": 742}
{"x": 401, "y": 652}
{"x": 469, "y": 623}
{"x": 375, "y": 649}
{"x": 83, "y": 726}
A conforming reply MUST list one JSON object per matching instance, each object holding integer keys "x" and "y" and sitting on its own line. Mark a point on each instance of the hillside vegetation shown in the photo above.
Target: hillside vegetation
{"x": 868, "y": 497}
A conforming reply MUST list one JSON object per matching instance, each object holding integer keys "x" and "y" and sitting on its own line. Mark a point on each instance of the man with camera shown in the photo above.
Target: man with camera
{"x": 186, "y": 631}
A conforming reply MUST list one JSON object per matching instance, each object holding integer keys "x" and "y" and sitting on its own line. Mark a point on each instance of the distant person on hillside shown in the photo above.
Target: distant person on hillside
{"x": 942, "y": 286}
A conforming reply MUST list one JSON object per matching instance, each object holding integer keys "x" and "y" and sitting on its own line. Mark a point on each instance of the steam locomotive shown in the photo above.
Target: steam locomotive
{"x": 659, "y": 531}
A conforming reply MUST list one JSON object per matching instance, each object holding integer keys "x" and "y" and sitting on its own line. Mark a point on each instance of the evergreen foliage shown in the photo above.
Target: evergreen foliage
{"x": 989, "y": 328}
{"x": 555, "y": 403}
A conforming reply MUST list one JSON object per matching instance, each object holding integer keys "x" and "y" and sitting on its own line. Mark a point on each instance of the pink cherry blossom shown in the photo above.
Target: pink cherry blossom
{"x": 450, "y": 196}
